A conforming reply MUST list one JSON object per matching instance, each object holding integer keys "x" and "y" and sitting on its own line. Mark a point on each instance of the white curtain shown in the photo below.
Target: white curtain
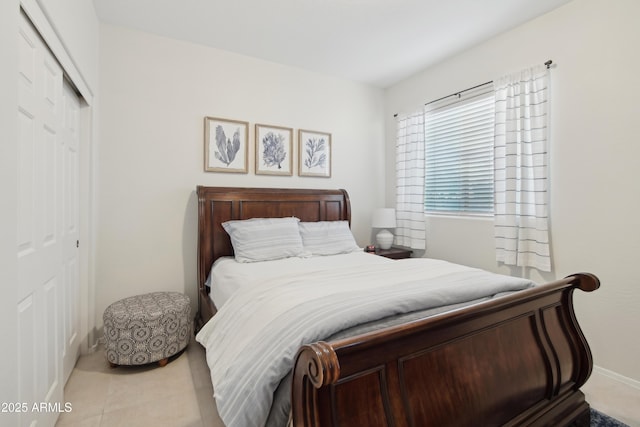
{"x": 410, "y": 229}
{"x": 520, "y": 165}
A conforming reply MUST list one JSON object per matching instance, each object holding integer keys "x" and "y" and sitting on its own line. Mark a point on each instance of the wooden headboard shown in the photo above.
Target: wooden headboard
{"x": 219, "y": 204}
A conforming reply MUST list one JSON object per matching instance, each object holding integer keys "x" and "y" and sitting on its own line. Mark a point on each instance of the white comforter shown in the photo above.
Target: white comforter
{"x": 229, "y": 276}
{"x": 252, "y": 340}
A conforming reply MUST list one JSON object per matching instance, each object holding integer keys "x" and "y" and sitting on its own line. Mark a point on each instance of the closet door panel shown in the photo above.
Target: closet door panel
{"x": 41, "y": 272}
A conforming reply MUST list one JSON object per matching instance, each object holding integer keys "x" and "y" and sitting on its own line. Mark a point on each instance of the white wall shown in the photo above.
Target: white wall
{"x": 595, "y": 190}
{"x": 155, "y": 93}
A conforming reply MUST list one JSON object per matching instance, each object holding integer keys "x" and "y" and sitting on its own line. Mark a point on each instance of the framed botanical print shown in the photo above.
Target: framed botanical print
{"x": 274, "y": 150}
{"x": 314, "y": 153}
{"x": 226, "y": 145}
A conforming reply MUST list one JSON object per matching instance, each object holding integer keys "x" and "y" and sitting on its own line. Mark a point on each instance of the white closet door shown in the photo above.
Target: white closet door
{"x": 47, "y": 229}
{"x": 70, "y": 134}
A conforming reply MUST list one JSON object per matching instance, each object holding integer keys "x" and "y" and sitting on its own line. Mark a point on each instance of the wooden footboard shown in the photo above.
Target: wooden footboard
{"x": 518, "y": 360}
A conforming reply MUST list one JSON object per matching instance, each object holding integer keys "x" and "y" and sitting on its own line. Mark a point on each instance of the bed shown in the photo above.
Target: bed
{"x": 519, "y": 359}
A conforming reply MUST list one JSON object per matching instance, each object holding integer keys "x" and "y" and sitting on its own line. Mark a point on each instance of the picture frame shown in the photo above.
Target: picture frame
{"x": 274, "y": 150}
{"x": 314, "y": 153}
{"x": 226, "y": 146}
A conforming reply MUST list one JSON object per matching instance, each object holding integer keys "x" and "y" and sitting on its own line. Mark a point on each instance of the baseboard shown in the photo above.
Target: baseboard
{"x": 90, "y": 343}
{"x": 616, "y": 377}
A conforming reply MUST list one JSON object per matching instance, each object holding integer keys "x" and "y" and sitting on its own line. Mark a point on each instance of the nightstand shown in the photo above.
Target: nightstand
{"x": 394, "y": 253}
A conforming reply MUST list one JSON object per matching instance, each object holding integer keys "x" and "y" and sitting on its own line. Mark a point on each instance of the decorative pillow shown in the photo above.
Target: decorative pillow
{"x": 263, "y": 239}
{"x": 327, "y": 237}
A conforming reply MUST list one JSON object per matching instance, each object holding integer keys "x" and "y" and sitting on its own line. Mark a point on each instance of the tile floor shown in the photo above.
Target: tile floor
{"x": 177, "y": 395}
{"x": 181, "y": 395}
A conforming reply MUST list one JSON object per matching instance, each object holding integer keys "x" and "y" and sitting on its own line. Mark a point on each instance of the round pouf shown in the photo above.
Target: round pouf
{"x": 147, "y": 328}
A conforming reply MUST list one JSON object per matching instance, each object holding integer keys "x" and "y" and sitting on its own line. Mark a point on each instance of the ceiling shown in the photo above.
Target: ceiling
{"x": 378, "y": 42}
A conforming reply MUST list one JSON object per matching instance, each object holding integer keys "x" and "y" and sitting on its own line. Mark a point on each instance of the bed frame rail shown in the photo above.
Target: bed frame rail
{"x": 514, "y": 361}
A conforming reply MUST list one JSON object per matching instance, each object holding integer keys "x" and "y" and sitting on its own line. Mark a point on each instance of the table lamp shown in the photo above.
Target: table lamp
{"x": 384, "y": 218}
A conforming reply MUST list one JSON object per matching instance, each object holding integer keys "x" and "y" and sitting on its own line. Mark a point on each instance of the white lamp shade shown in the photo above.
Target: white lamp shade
{"x": 384, "y": 218}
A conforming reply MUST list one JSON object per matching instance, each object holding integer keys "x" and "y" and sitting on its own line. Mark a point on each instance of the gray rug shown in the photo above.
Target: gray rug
{"x": 598, "y": 419}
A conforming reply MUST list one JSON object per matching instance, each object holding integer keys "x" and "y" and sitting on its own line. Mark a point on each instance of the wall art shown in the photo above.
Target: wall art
{"x": 274, "y": 150}
{"x": 226, "y": 145}
{"x": 314, "y": 153}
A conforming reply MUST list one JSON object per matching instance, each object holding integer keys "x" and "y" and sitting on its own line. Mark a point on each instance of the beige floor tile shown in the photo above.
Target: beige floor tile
{"x": 86, "y": 389}
{"x": 92, "y": 421}
{"x": 134, "y": 386}
{"x": 179, "y": 410}
{"x": 87, "y": 393}
{"x": 208, "y": 410}
{"x": 198, "y": 363}
{"x": 202, "y": 383}
{"x": 94, "y": 362}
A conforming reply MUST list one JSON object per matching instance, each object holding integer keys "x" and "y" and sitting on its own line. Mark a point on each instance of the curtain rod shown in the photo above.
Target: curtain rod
{"x": 459, "y": 93}
{"x": 548, "y": 64}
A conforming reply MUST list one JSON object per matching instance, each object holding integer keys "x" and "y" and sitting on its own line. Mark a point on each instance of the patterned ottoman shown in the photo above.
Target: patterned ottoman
{"x": 147, "y": 328}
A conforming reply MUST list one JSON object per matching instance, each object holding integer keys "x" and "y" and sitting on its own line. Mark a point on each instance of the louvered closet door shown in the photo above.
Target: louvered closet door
{"x": 47, "y": 218}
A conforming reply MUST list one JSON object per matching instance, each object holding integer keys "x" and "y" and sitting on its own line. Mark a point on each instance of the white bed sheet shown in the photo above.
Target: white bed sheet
{"x": 228, "y": 276}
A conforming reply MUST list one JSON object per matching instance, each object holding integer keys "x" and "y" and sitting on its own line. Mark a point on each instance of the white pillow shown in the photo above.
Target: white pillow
{"x": 263, "y": 239}
{"x": 327, "y": 237}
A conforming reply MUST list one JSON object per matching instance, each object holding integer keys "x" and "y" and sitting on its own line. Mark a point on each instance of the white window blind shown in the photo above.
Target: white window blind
{"x": 459, "y": 154}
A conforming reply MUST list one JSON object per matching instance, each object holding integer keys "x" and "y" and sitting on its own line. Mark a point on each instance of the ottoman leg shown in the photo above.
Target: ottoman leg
{"x": 112, "y": 365}
{"x": 163, "y": 362}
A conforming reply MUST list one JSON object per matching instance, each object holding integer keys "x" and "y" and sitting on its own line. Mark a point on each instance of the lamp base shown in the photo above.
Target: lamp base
{"x": 384, "y": 239}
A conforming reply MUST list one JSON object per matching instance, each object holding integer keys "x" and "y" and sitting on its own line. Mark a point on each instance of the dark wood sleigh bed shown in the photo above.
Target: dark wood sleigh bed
{"x": 516, "y": 360}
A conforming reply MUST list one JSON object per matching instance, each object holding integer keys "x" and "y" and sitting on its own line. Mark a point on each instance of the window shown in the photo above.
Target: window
{"x": 459, "y": 153}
